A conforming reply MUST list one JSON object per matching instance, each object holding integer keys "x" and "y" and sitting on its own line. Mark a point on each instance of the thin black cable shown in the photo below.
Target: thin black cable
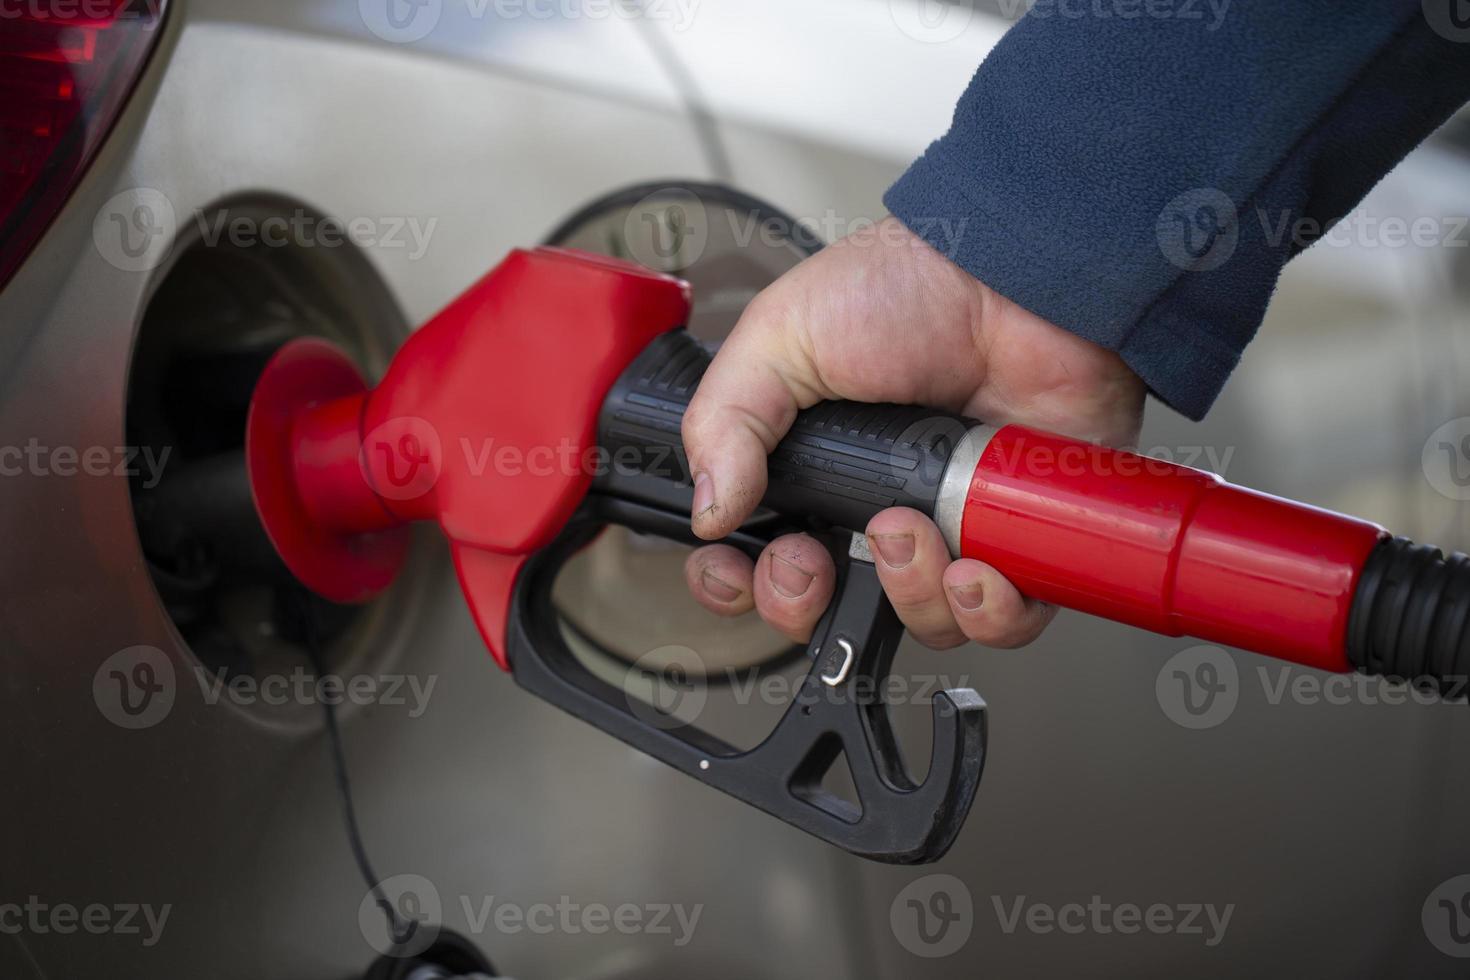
{"x": 399, "y": 929}
{"x": 706, "y": 126}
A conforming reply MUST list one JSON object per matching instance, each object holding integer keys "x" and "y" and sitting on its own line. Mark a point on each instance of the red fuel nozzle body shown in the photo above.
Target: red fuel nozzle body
{"x": 480, "y": 426}
{"x": 1164, "y": 547}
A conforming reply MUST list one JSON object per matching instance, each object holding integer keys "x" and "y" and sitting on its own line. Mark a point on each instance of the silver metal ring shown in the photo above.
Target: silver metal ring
{"x": 954, "y": 486}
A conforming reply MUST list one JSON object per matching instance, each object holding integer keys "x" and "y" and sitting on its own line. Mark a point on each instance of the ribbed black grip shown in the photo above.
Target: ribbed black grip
{"x": 1410, "y": 618}
{"x": 841, "y": 463}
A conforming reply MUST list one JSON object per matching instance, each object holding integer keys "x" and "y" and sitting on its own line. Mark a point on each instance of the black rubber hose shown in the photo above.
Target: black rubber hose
{"x": 1410, "y": 619}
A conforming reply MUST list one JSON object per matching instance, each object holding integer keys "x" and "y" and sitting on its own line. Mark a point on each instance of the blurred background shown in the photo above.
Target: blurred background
{"x": 1317, "y": 824}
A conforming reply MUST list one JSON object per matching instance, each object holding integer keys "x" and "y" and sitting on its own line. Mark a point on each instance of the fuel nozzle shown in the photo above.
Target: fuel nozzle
{"x": 564, "y": 352}
{"x": 486, "y": 422}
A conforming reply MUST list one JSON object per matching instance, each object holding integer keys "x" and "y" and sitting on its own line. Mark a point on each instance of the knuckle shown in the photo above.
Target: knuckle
{"x": 896, "y": 520}
{"x": 795, "y": 623}
{"x": 1011, "y": 635}
{"x": 912, "y": 593}
{"x": 691, "y": 428}
{"x": 1005, "y": 642}
{"x": 766, "y": 310}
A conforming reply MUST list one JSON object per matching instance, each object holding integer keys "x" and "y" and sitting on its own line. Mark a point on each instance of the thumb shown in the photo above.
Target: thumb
{"x": 745, "y": 403}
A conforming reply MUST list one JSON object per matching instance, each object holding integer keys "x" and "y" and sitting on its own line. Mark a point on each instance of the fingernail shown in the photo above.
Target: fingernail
{"x": 704, "y": 493}
{"x": 968, "y": 596}
{"x": 718, "y": 588}
{"x": 896, "y": 550}
{"x": 788, "y": 579}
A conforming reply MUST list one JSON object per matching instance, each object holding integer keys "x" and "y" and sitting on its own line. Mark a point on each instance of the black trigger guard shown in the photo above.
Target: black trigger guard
{"x": 838, "y": 708}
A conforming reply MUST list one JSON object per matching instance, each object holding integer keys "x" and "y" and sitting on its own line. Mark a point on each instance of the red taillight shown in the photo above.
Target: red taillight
{"x": 66, "y": 67}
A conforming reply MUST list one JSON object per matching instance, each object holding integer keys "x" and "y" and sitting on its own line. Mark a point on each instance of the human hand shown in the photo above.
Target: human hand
{"x": 881, "y": 317}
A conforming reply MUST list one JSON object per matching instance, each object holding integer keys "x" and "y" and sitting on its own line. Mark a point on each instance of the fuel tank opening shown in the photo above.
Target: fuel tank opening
{"x": 216, "y": 316}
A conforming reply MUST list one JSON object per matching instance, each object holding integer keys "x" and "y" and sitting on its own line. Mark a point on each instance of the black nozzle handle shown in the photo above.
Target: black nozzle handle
{"x": 841, "y": 463}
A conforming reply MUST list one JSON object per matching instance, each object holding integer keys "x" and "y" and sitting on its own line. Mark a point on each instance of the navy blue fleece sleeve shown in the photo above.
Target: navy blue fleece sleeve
{"x": 1139, "y": 175}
